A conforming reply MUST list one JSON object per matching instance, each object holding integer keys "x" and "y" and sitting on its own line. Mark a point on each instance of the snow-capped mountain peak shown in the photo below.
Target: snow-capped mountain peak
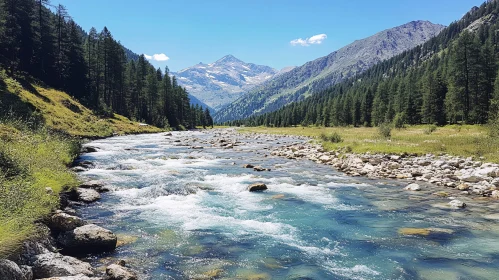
{"x": 224, "y": 80}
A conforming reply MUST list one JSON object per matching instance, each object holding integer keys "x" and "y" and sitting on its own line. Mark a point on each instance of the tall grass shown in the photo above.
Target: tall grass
{"x": 33, "y": 160}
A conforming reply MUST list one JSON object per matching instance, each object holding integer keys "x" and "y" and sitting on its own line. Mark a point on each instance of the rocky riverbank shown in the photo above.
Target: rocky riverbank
{"x": 444, "y": 172}
{"x": 63, "y": 238}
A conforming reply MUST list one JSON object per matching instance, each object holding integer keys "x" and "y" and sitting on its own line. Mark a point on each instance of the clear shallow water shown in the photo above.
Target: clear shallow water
{"x": 186, "y": 214}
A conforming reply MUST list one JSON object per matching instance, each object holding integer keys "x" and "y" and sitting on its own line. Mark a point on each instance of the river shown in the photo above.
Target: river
{"x": 184, "y": 213}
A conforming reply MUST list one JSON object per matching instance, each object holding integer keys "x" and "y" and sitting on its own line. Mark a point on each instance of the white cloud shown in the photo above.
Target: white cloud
{"x": 314, "y": 40}
{"x": 157, "y": 57}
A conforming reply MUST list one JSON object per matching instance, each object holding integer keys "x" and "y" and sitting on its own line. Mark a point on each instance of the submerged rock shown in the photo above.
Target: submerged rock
{"x": 424, "y": 231}
{"x": 257, "y": 187}
{"x": 413, "y": 187}
{"x": 55, "y": 264}
{"x": 457, "y": 204}
{"x": 88, "y": 239}
{"x": 10, "y": 270}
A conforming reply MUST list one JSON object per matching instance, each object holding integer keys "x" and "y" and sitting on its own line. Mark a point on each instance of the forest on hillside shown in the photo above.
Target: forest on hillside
{"x": 451, "y": 79}
{"x": 41, "y": 42}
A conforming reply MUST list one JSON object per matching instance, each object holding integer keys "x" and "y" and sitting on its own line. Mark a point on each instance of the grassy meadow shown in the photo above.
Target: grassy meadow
{"x": 460, "y": 140}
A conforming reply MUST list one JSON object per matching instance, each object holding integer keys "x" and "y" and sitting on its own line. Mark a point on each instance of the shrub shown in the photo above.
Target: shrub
{"x": 385, "y": 130}
{"x": 399, "y": 121}
{"x": 333, "y": 138}
{"x": 430, "y": 129}
{"x": 493, "y": 127}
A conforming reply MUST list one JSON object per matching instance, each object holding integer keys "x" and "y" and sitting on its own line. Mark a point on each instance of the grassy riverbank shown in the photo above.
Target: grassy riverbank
{"x": 459, "y": 140}
{"x": 40, "y": 130}
{"x": 33, "y": 170}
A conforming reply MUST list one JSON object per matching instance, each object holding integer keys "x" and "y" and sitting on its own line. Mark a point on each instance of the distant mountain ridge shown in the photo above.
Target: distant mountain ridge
{"x": 326, "y": 71}
{"x": 223, "y": 81}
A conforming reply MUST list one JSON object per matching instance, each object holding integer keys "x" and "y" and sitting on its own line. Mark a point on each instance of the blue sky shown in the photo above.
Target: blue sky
{"x": 259, "y": 31}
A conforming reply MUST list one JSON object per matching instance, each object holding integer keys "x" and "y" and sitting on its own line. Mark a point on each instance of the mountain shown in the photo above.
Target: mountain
{"x": 326, "y": 71}
{"x": 451, "y": 79}
{"x": 223, "y": 81}
{"x": 195, "y": 101}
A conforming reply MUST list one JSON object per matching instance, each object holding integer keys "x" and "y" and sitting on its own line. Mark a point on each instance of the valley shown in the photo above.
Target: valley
{"x": 375, "y": 157}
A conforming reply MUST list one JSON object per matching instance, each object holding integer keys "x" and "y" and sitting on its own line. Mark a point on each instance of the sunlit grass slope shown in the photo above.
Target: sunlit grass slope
{"x": 459, "y": 140}
{"x": 63, "y": 113}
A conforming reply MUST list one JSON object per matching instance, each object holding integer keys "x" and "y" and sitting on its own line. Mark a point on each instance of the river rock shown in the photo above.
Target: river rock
{"x": 457, "y": 204}
{"x": 495, "y": 194}
{"x": 259, "y": 169}
{"x": 393, "y": 165}
{"x": 65, "y": 222}
{"x": 257, "y": 187}
{"x": 88, "y": 239}
{"x": 54, "y": 265}
{"x": 463, "y": 187}
{"x": 118, "y": 272}
{"x": 471, "y": 179}
{"x": 27, "y": 272}
{"x": 87, "y": 195}
{"x": 10, "y": 270}
{"x": 487, "y": 172}
{"x": 76, "y": 277}
{"x": 413, "y": 187}
{"x": 248, "y": 166}
{"x": 89, "y": 149}
{"x": 95, "y": 185}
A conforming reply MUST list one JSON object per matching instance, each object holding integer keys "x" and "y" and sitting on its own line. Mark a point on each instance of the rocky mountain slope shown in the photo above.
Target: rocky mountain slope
{"x": 326, "y": 71}
{"x": 223, "y": 81}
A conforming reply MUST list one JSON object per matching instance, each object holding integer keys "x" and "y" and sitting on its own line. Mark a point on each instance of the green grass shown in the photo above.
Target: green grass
{"x": 32, "y": 160}
{"x": 459, "y": 140}
{"x": 63, "y": 113}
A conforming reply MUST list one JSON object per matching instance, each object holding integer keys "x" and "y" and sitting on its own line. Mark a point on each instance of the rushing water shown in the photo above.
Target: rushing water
{"x": 185, "y": 213}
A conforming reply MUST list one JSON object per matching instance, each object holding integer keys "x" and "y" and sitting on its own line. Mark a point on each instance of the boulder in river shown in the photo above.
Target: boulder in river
{"x": 54, "y": 265}
{"x": 118, "y": 272}
{"x": 457, "y": 204}
{"x": 248, "y": 166}
{"x": 64, "y": 222}
{"x": 87, "y": 239}
{"x": 95, "y": 185}
{"x": 87, "y": 195}
{"x": 89, "y": 149}
{"x": 10, "y": 270}
{"x": 257, "y": 187}
{"x": 259, "y": 169}
{"x": 413, "y": 187}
